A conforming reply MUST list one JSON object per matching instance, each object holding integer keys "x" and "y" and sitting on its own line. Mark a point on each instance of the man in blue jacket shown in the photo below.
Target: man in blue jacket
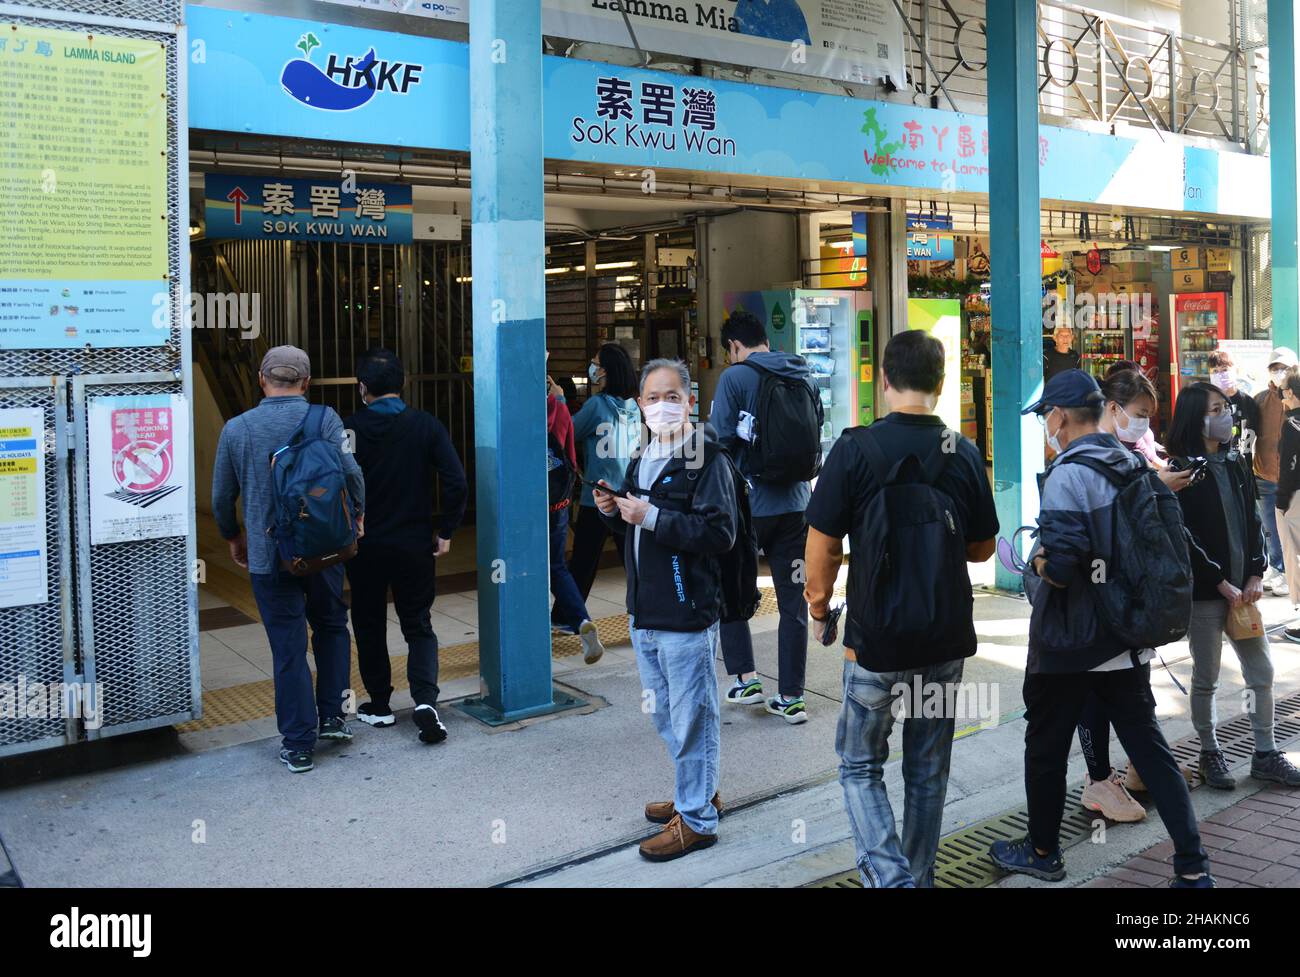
{"x": 778, "y": 512}
{"x": 1073, "y": 655}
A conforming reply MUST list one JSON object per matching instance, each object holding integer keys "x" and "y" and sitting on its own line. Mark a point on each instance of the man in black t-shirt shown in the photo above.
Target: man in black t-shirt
{"x": 912, "y": 371}
{"x": 1062, "y": 356}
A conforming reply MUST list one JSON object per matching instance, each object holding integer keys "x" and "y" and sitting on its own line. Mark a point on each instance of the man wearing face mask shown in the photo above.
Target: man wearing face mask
{"x": 678, "y": 503}
{"x": 1271, "y": 412}
{"x": 1073, "y": 656}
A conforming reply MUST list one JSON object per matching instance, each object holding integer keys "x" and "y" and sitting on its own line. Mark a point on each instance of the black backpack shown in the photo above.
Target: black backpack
{"x": 908, "y": 568}
{"x": 787, "y": 443}
{"x": 560, "y": 474}
{"x": 739, "y": 565}
{"x": 1145, "y": 596}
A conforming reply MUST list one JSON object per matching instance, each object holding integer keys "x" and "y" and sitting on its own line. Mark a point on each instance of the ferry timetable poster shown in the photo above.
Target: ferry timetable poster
{"x": 22, "y": 507}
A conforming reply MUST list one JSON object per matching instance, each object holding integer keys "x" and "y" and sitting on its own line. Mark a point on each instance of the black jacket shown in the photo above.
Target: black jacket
{"x": 675, "y": 583}
{"x": 1246, "y": 413}
{"x": 1207, "y": 529}
{"x": 398, "y": 454}
{"x": 1288, "y": 450}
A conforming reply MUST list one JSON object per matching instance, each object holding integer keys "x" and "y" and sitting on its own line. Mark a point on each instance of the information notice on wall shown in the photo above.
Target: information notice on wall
{"x": 139, "y": 451}
{"x": 83, "y": 189}
{"x": 22, "y": 507}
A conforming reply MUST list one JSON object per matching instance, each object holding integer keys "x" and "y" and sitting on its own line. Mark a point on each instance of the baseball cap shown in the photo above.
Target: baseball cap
{"x": 1069, "y": 388}
{"x": 1284, "y": 356}
{"x": 287, "y": 363}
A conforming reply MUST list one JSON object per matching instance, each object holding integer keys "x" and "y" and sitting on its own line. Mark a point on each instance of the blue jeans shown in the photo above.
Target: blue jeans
{"x": 287, "y": 604}
{"x": 570, "y": 609}
{"x": 1268, "y": 515}
{"x": 677, "y": 670}
{"x": 862, "y": 741}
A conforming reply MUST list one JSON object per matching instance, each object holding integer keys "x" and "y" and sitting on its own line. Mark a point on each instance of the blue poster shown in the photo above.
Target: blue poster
{"x": 280, "y": 209}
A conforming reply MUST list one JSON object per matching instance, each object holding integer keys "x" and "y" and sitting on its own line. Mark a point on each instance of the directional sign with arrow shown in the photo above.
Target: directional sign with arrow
{"x": 238, "y": 196}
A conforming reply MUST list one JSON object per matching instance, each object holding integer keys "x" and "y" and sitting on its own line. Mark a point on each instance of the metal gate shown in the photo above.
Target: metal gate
{"x": 123, "y": 615}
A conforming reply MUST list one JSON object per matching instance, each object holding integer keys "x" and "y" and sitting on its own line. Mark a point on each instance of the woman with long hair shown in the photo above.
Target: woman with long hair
{"x": 1226, "y": 545}
{"x": 609, "y": 429}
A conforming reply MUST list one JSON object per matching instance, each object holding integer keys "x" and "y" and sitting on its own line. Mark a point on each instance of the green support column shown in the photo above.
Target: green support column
{"x": 1282, "y": 46}
{"x": 1016, "y": 263}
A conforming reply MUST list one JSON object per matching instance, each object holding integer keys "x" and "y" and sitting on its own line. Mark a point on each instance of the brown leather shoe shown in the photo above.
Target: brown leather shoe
{"x": 675, "y": 840}
{"x": 661, "y": 812}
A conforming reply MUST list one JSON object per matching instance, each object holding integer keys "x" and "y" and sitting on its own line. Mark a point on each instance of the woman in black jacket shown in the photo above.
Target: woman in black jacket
{"x": 1226, "y": 545}
{"x": 1288, "y": 499}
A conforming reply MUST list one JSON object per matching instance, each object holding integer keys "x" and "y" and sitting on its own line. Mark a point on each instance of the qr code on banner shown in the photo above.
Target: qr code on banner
{"x": 882, "y": 50}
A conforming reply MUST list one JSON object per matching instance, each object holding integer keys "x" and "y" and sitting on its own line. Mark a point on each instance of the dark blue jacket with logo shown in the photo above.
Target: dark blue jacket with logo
{"x": 674, "y": 582}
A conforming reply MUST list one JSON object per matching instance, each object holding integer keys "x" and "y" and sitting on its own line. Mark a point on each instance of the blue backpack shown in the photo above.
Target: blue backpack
{"x": 314, "y": 523}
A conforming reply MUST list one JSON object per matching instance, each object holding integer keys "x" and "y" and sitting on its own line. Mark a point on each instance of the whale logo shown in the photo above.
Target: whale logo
{"x": 308, "y": 84}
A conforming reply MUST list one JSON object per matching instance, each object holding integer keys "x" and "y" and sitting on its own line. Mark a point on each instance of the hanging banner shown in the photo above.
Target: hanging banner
{"x": 83, "y": 189}
{"x": 139, "y": 448}
{"x": 280, "y": 209}
{"x": 849, "y": 40}
{"x": 22, "y": 507}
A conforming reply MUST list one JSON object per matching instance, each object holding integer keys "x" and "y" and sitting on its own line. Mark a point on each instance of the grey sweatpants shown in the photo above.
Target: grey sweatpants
{"x": 1206, "y": 639}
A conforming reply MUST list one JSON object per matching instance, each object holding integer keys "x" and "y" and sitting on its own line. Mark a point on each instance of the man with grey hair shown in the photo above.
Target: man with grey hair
{"x": 288, "y": 603}
{"x": 679, "y": 501}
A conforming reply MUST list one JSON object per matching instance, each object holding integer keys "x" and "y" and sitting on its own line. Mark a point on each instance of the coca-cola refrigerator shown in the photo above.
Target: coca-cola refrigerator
{"x": 1200, "y": 320}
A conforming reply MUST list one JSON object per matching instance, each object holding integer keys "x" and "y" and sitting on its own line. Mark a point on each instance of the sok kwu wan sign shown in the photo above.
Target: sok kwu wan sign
{"x": 280, "y": 209}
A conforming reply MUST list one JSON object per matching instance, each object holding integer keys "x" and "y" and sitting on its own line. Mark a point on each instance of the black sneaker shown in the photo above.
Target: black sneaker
{"x": 334, "y": 729}
{"x": 1205, "y": 881}
{"x": 373, "y": 715}
{"x": 1214, "y": 770}
{"x": 298, "y": 761}
{"x": 1275, "y": 767}
{"x": 1292, "y": 633}
{"x": 431, "y": 728}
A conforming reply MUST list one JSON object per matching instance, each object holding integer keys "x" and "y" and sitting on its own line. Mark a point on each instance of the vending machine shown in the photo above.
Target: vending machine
{"x": 833, "y": 331}
{"x": 1106, "y": 339}
{"x": 1200, "y": 320}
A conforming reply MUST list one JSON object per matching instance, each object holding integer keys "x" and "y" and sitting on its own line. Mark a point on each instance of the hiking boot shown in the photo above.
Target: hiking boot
{"x": 373, "y": 715}
{"x": 793, "y": 711}
{"x": 745, "y": 693}
{"x": 1214, "y": 770}
{"x": 1205, "y": 881}
{"x": 431, "y": 728}
{"x": 661, "y": 812}
{"x": 592, "y": 649}
{"x": 675, "y": 840}
{"x": 1020, "y": 857}
{"x": 1276, "y": 767}
{"x": 1111, "y": 799}
{"x": 334, "y": 728}
{"x": 298, "y": 761}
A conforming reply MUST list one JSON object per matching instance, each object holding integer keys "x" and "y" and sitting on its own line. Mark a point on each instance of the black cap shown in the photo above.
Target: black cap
{"x": 1069, "y": 388}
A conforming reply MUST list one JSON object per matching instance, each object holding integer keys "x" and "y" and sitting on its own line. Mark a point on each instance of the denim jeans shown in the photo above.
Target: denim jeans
{"x": 1268, "y": 516}
{"x": 677, "y": 671}
{"x": 570, "y": 609}
{"x": 287, "y": 605}
{"x": 862, "y": 741}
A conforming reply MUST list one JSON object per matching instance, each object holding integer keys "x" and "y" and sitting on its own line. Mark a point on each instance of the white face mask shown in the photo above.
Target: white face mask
{"x": 1053, "y": 441}
{"x": 593, "y": 373}
{"x": 1135, "y": 430}
{"x": 1278, "y": 377}
{"x": 663, "y": 417}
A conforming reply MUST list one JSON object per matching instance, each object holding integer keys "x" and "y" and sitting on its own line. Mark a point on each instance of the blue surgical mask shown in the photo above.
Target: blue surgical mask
{"x": 593, "y": 373}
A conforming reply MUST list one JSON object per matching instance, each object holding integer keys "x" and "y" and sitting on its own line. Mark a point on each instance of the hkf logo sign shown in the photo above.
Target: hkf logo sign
{"x": 142, "y": 448}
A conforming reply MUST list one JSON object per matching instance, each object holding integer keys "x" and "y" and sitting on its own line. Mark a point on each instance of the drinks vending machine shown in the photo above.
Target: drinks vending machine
{"x": 1200, "y": 320}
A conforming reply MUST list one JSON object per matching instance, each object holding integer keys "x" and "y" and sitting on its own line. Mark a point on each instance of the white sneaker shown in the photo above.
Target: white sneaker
{"x": 1280, "y": 588}
{"x": 592, "y": 649}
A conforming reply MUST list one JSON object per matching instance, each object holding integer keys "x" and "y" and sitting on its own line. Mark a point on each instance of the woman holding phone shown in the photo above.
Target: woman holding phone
{"x": 1226, "y": 545}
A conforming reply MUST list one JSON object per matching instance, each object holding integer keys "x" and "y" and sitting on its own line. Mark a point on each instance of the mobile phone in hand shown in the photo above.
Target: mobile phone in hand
{"x": 617, "y": 493}
{"x": 832, "y": 632}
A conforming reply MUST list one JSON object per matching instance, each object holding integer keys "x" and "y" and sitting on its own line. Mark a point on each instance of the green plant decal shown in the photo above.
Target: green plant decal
{"x": 878, "y": 132}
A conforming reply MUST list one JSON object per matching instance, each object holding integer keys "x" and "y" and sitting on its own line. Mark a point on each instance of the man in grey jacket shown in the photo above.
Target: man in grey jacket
{"x": 778, "y": 514}
{"x": 1072, "y": 654}
{"x": 287, "y": 603}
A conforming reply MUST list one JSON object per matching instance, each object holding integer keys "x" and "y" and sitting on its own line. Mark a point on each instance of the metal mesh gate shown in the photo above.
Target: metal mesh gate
{"x": 124, "y": 615}
{"x": 1259, "y": 283}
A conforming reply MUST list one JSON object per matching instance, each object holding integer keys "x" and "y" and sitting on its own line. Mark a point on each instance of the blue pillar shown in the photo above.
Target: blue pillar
{"x": 1016, "y": 262}
{"x": 1282, "y": 48}
{"x": 505, "y": 56}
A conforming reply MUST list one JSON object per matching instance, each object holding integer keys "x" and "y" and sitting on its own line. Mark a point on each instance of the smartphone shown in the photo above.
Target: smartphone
{"x": 832, "y": 632}
{"x": 1199, "y": 467}
{"x": 617, "y": 493}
